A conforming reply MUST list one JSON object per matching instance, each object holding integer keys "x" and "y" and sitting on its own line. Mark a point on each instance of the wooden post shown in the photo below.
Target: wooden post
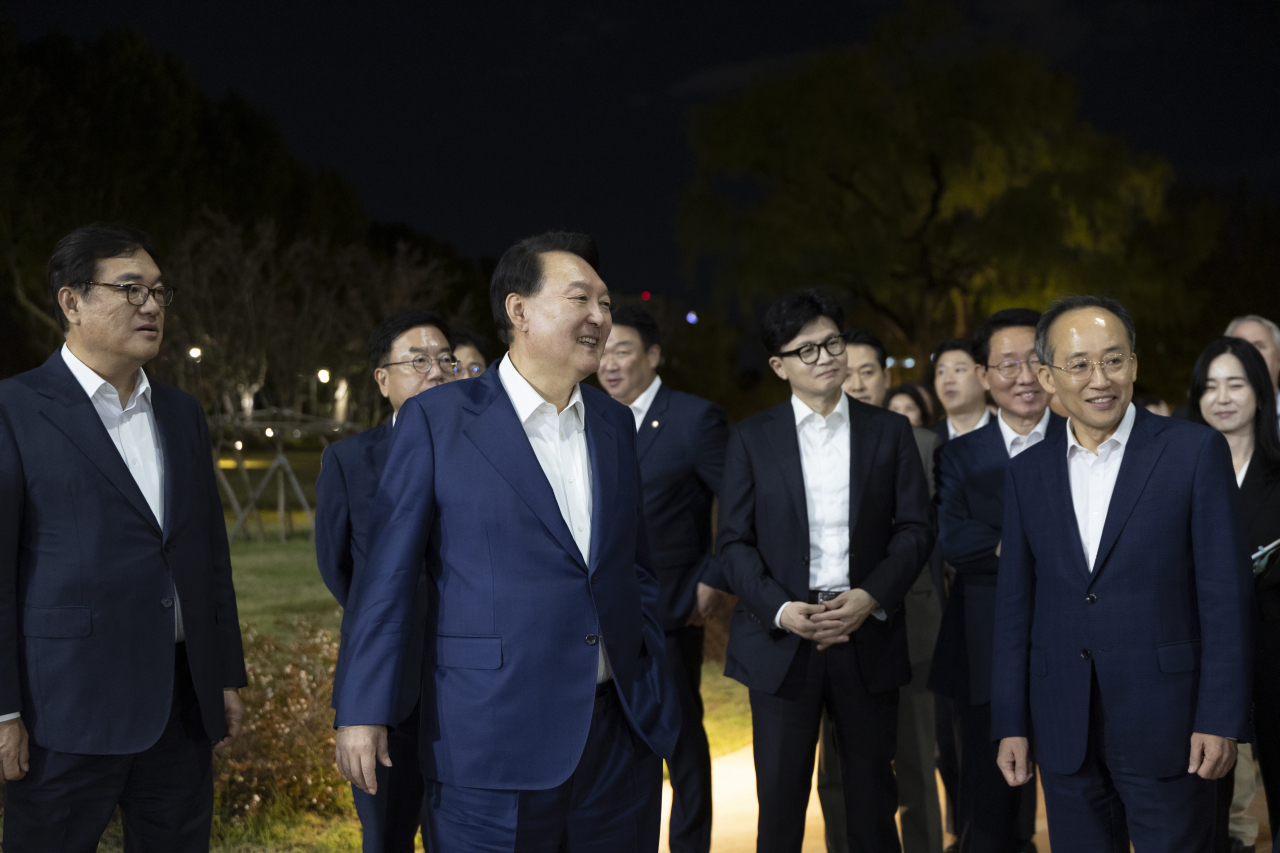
{"x": 253, "y": 504}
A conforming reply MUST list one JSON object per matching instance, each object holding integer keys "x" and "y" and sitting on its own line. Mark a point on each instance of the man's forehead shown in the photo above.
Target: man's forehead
{"x": 955, "y": 356}
{"x": 136, "y": 266}
{"x": 421, "y": 337}
{"x": 623, "y": 335}
{"x": 1091, "y": 323}
{"x": 863, "y": 355}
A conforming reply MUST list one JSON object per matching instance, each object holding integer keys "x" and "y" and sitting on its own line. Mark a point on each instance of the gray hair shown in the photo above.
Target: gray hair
{"x": 1071, "y": 303}
{"x": 1254, "y": 318}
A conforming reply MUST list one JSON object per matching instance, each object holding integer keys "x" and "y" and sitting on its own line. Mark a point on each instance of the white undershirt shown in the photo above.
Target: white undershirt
{"x": 559, "y": 441}
{"x": 640, "y": 406}
{"x": 1093, "y": 479}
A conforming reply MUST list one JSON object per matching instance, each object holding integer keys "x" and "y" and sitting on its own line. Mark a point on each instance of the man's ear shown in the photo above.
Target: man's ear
{"x": 655, "y": 356}
{"x": 69, "y": 300}
{"x": 983, "y": 379}
{"x": 778, "y": 367}
{"x": 1045, "y": 374}
{"x": 381, "y": 376}
{"x": 517, "y": 311}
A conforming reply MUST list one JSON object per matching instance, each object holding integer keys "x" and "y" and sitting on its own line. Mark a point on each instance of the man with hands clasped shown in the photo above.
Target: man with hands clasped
{"x": 824, "y": 526}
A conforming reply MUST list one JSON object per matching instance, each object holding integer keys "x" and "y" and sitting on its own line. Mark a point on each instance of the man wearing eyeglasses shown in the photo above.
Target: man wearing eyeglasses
{"x": 121, "y": 656}
{"x": 411, "y": 352}
{"x": 824, "y": 526}
{"x": 1123, "y": 604}
{"x": 991, "y": 816}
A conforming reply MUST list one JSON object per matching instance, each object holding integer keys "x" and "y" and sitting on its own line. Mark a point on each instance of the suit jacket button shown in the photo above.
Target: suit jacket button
{"x": 1086, "y": 654}
{"x": 166, "y": 602}
{"x": 1091, "y": 598}
{"x": 595, "y": 577}
{"x": 168, "y": 546}
{"x": 592, "y": 639}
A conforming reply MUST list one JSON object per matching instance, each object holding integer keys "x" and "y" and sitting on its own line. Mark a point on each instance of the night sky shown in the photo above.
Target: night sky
{"x": 480, "y": 123}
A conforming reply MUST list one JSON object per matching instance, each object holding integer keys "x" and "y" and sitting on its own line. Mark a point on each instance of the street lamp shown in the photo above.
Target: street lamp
{"x": 195, "y": 353}
{"x": 322, "y": 375}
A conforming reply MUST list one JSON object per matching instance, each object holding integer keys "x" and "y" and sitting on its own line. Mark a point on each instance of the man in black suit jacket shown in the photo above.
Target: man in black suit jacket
{"x": 680, "y": 441}
{"x": 824, "y": 526}
{"x": 411, "y": 352}
{"x": 122, "y": 658}
{"x": 971, "y": 474}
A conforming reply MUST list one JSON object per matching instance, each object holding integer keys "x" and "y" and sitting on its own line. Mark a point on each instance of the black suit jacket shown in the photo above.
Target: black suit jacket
{"x": 87, "y": 575}
{"x": 764, "y": 540}
{"x": 681, "y": 446}
{"x": 1260, "y": 501}
{"x": 345, "y": 495}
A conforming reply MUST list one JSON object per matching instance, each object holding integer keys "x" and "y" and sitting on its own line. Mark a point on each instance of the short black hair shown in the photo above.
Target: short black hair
{"x": 460, "y": 337}
{"x": 952, "y": 345}
{"x": 1072, "y": 303}
{"x": 910, "y": 390}
{"x": 642, "y": 321}
{"x": 856, "y": 337}
{"x": 1266, "y": 438}
{"x": 1009, "y": 318}
{"x": 74, "y": 261}
{"x": 386, "y": 332}
{"x": 791, "y": 313}
{"x": 519, "y": 269}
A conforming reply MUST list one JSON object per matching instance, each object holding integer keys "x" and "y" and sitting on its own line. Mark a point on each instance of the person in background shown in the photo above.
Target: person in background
{"x": 1265, "y": 335}
{"x": 955, "y": 381}
{"x": 472, "y": 353}
{"x": 824, "y": 526}
{"x": 930, "y": 404}
{"x": 680, "y": 441}
{"x": 1231, "y": 392}
{"x": 1124, "y": 586}
{"x": 1155, "y": 404}
{"x": 906, "y": 400}
{"x": 122, "y": 661}
{"x": 869, "y": 374}
{"x": 411, "y": 352}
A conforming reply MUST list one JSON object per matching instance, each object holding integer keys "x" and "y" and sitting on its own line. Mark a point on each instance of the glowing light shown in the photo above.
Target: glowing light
{"x": 645, "y": 295}
{"x": 909, "y": 363}
{"x": 322, "y": 375}
{"x": 888, "y": 362}
{"x": 239, "y": 445}
{"x": 270, "y": 432}
{"x": 195, "y": 353}
{"x": 691, "y": 318}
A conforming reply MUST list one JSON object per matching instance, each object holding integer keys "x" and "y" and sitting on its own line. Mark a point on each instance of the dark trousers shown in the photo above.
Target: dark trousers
{"x": 1099, "y": 808}
{"x": 785, "y": 730}
{"x": 611, "y": 804}
{"x": 690, "y": 764}
{"x": 389, "y": 819}
{"x": 165, "y": 792}
{"x": 988, "y": 808}
{"x": 948, "y": 757}
{"x": 1266, "y": 714}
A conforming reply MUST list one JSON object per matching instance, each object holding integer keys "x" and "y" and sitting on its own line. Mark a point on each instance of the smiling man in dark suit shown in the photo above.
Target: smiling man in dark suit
{"x": 680, "y": 440}
{"x": 824, "y": 526}
{"x": 410, "y": 353}
{"x": 121, "y": 657}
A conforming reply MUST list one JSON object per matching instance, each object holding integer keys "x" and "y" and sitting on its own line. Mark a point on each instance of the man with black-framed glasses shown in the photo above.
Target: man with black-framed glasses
{"x": 824, "y": 526}
{"x": 411, "y": 353}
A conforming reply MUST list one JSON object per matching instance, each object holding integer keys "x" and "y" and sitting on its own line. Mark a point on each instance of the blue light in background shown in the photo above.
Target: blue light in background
{"x": 692, "y": 318}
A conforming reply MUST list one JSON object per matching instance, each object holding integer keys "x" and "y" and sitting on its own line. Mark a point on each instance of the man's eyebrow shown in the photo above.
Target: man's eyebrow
{"x": 445, "y": 348}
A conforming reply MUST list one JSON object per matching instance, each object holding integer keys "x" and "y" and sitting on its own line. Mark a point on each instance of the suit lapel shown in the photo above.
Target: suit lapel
{"x": 378, "y": 449}
{"x": 656, "y": 415}
{"x": 1061, "y": 508}
{"x": 167, "y": 430}
{"x": 864, "y": 438}
{"x": 602, "y": 444}
{"x": 781, "y": 431}
{"x": 72, "y": 413}
{"x": 1254, "y": 491}
{"x": 499, "y": 435}
{"x": 1139, "y": 461}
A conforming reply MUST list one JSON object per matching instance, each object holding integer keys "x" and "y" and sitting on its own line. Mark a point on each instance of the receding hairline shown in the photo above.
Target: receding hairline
{"x": 1124, "y": 329}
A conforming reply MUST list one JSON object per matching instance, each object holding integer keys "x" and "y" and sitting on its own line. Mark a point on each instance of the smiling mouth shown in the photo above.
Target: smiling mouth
{"x": 588, "y": 340}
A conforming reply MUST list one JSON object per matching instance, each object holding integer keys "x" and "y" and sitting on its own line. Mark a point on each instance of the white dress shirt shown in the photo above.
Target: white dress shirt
{"x": 1014, "y": 443}
{"x": 559, "y": 441}
{"x": 983, "y": 421}
{"x": 640, "y": 406}
{"x": 1244, "y": 469}
{"x": 1093, "y": 479}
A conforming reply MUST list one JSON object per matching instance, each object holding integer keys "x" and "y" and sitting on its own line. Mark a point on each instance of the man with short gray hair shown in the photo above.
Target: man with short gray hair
{"x": 1263, "y": 334}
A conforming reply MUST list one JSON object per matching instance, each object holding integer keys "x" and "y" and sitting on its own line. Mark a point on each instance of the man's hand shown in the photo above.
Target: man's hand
{"x": 998, "y": 544}
{"x": 1013, "y": 760}
{"x": 795, "y": 618}
{"x": 706, "y": 604}
{"x": 841, "y": 616}
{"x": 13, "y": 749}
{"x": 1211, "y": 756}
{"x": 358, "y": 748}
{"x": 234, "y": 710}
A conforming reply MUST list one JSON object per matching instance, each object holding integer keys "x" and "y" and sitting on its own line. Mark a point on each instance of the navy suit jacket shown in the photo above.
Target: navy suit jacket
{"x": 345, "y": 495}
{"x": 681, "y": 446}
{"x": 87, "y": 653}
{"x": 509, "y": 654}
{"x": 970, "y": 478}
{"x": 1165, "y": 617}
{"x": 764, "y": 540}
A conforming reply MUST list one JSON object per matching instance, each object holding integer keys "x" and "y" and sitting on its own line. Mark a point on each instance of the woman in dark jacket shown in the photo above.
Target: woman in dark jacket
{"x": 1231, "y": 392}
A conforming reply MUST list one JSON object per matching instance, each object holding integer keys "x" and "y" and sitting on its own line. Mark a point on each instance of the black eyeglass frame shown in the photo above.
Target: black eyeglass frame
{"x": 450, "y": 360}
{"x": 821, "y": 345}
{"x": 163, "y": 290}
{"x": 1010, "y": 369}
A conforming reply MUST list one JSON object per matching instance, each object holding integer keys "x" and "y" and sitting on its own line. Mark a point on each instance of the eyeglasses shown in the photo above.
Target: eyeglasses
{"x": 808, "y": 354}
{"x": 1010, "y": 369}
{"x": 138, "y": 294}
{"x": 1081, "y": 369}
{"x": 423, "y": 364}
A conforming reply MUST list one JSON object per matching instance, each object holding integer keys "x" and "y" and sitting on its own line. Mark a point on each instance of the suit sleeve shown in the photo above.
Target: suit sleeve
{"x": 966, "y": 543}
{"x": 713, "y": 441}
{"x": 12, "y": 499}
{"x": 333, "y": 527}
{"x": 740, "y": 558}
{"x": 224, "y": 591}
{"x": 913, "y": 537}
{"x": 382, "y": 595}
{"x": 1015, "y": 606}
{"x": 1224, "y": 594}
{"x": 650, "y": 592}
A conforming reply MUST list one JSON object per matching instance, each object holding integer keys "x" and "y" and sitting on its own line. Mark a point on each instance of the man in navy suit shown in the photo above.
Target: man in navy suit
{"x": 680, "y": 440}
{"x": 824, "y": 526}
{"x": 1123, "y": 605}
{"x": 121, "y": 661}
{"x": 410, "y": 353}
{"x": 971, "y": 471}
{"x": 547, "y": 702}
